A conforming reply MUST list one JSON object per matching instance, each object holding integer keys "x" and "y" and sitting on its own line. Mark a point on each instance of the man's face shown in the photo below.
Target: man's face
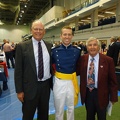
{"x": 37, "y": 30}
{"x": 93, "y": 48}
{"x": 66, "y": 36}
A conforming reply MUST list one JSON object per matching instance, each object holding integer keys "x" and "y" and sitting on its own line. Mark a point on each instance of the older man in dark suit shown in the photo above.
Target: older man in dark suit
{"x": 33, "y": 82}
{"x": 99, "y": 88}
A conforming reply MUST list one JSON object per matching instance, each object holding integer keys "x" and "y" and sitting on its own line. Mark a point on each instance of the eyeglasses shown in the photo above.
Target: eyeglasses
{"x": 38, "y": 29}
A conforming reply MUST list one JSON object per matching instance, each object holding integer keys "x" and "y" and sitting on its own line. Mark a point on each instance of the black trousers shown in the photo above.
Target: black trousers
{"x": 92, "y": 106}
{"x": 9, "y": 56}
{"x": 39, "y": 103}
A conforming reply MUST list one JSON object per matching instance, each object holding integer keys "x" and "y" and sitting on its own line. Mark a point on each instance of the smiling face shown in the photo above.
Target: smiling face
{"x": 37, "y": 30}
{"x": 66, "y": 35}
{"x": 93, "y": 47}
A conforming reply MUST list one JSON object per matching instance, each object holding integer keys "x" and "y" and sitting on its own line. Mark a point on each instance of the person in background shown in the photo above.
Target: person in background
{"x": 64, "y": 59}
{"x": 103, "y": 46}
{"x": 4, "y": 41}
{"x": 97, "y": 90}
{"x": 33, "y": 84}
{"x": 117, "y": 50}
{"x": 14, "y": 47}
{"x": 111, "y": 48}
{"x": 3, "y": 71}
{"x": 113, "y": 51}
{"x": 7, "y": 48}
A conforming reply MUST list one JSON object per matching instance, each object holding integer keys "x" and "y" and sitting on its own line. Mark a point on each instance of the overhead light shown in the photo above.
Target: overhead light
{"x": 101, "y": 16}
{"x": 20, "y": 15}
{"x": 85, "y": 20}
{"x": 80, "y": 22}
{"x": 89, "y": 18}
{"x": 110, "y": 12}
{"x": 25, "y": 5}
{"x": 22, "y": 11}
{"x": 1, "y": 23}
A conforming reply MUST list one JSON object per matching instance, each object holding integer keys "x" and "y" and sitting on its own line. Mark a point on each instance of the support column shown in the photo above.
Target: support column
{"x": 118, "y": 11}
{"x": 76, "y": 23}
{"x": 94, "y": 18}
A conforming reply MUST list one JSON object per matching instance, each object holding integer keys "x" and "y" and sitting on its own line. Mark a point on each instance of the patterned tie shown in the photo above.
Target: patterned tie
{"x": 40, "y": 62}
{"x": 91, "y": 76}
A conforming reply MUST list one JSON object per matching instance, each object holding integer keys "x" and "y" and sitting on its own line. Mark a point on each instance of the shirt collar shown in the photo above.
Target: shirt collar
{"x": 35, "y": 41}
{"x": 95, "y": 57}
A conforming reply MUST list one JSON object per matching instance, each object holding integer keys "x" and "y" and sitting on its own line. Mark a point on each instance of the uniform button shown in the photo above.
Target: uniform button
{"x": 57, "y": 59}
{"x": 56, "y": 51}
{"x": 58, "y": 64}
{"x": 57, "y": 55}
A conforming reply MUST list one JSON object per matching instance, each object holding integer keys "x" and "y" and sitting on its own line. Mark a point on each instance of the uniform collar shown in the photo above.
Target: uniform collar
{"x": 66, "y": 47}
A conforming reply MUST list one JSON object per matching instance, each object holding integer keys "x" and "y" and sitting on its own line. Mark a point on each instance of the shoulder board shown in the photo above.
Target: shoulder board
{"x": 54, "y": 47}
{"x": 77, "y": 47}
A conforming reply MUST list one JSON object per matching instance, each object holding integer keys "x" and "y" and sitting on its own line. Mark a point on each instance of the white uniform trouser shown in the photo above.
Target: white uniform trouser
{"x": 63, "y": 92}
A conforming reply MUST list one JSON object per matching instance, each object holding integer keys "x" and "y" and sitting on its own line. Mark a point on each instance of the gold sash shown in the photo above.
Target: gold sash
{"x": 74, "y": 79}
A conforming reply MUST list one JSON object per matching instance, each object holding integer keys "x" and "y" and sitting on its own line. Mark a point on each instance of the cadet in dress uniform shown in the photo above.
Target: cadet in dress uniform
{"x": 64, "y": 58}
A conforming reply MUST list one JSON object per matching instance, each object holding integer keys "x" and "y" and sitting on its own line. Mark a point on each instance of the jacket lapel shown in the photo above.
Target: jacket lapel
{"x": 101, "y": 66}
{"x": 31, "y": 56}
{"x": 85, "y": 66}
{"x": 48, "y": 47}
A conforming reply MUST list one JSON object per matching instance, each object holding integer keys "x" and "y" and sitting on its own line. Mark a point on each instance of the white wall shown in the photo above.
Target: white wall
{"x": 13, "y": 32}
{"x": 101, "y": 32}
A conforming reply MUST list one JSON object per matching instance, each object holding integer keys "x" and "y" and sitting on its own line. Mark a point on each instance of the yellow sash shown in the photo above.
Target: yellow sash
{"x": 74, "y": 79}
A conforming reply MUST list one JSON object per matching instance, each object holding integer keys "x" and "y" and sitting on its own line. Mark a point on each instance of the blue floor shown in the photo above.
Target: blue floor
{"x": 10, "y": 107}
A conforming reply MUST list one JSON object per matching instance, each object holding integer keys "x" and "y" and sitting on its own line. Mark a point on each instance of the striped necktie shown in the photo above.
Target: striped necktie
{"x": 40, "y": 62}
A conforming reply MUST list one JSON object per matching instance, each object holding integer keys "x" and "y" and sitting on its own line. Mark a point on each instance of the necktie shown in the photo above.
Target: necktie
{"x": 91, "y": 76}
{"x": 40, "y": 61}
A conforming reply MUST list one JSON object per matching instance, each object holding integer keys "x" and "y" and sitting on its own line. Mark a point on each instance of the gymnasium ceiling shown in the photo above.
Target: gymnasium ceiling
{"x": 20, "y": 11}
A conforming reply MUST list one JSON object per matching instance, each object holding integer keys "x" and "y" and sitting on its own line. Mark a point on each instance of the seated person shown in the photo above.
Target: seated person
{"x": 2, "y": 59}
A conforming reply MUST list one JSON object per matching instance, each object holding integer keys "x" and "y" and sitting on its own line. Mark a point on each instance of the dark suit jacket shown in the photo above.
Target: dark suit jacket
{"x": 110, "y": 51}
{"x": 116, "y": 52}
{"x": 113, "y": 51}
{"x": 107, "y": 83}
{"x": 25, "y": 69}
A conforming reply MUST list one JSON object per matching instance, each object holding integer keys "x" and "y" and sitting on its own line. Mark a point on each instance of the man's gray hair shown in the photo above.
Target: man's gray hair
{"x": 91, "y": 39}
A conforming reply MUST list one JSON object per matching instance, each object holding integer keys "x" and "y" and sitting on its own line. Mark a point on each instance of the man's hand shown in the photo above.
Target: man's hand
{"x": 21, "y": 96}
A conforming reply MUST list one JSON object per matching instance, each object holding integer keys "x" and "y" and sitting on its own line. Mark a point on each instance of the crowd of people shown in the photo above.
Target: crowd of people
{"x": 7, "y": 60}
{"x": 9, "y": 50}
